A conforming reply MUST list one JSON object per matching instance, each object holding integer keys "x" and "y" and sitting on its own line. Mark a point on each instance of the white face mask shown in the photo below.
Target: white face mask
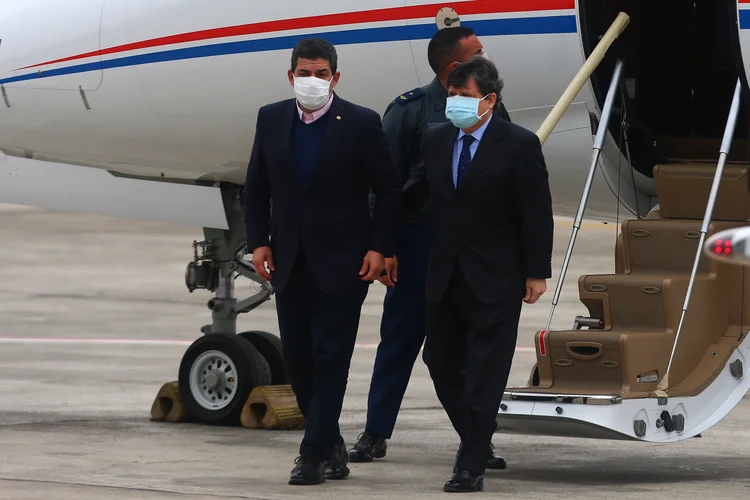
{"x": 312, "y": 93}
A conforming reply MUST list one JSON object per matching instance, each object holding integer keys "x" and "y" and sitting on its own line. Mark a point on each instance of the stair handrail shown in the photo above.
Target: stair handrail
{"x": 597, "y": 55}
{"x": 601, "y": 134}
{"x": 662, "y": 389}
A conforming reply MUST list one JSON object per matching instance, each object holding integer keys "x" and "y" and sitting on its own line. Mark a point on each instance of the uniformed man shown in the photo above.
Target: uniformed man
{"x": 402, "y": 328}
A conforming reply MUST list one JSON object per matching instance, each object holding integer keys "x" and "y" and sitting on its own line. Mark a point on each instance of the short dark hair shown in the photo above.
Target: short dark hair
{"x": 484, "y": 73}
{"x": 443, "y": 46}
{"x": 315, "y": 48}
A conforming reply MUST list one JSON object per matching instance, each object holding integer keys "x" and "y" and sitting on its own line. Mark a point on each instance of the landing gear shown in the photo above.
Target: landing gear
{"x": 219, "y": 370}
{"x": 217, "y": 373}
{"x": 269, "y": 347}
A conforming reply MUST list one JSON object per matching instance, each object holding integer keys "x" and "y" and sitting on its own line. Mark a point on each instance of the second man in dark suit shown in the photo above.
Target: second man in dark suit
{"x": 314, "y": 160}
{"x": 491, "y": 250}
{"x": 402, "y": 328}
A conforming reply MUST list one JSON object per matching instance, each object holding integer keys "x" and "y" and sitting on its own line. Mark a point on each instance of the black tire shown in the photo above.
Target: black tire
{"x": 267, "y": 373}
{"x": 269, "y": 345}
{"x": 249, "y": 369}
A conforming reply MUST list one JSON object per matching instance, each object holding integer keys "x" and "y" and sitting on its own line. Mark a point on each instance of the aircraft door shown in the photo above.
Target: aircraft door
{"x": 51, "y": 45}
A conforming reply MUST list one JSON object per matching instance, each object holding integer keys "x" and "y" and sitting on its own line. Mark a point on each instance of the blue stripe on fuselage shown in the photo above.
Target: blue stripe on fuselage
{"x": 745, "y": 19}
{"x": 493, "y": 27}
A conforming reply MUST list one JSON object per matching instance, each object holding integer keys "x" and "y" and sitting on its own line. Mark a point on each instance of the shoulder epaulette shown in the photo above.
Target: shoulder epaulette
{"x": 408, "y": 96}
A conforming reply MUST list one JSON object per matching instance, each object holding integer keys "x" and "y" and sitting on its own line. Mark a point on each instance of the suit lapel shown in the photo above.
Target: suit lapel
{"x": 445, "y": 158}
{"x": 286, "y": 123}
{"x": 336, "y": 120}
{"x": 483, "y": 156}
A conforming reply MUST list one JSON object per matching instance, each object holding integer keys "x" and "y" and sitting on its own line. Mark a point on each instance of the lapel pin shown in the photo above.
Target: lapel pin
{"x": 338, "y": 117}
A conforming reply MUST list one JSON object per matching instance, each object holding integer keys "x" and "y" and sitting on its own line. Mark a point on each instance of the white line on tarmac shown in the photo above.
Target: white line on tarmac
{"x": 148, "y": 342}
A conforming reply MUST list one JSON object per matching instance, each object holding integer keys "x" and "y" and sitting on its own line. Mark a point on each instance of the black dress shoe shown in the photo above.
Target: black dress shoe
{"x": 464, "y": 481}
{"x": 368, "y": 448}
{"x": 335, "y": 467}
{"x": 307, "y": 471}
{"x": 493, "y": 461}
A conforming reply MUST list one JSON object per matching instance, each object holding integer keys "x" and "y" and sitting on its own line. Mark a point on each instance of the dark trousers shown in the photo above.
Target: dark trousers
{"x": 461, "y": 328}
{"x": 318, "y": 332}
{"x": 402, "y": 331}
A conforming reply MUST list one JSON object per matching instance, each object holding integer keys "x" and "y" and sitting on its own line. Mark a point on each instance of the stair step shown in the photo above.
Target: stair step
{"x": 625, "y": 300}
{"x": 683, "y": 191}
{"x": 606, "y": 362}
{"x": 630, "y": 364}
{"x": 640, "y": 302}
{"x": 664, "y": 245}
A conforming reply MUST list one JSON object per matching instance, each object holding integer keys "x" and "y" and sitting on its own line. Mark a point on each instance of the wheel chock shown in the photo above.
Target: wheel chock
{"x": 272, "y": 407}
{"x": 168, "y": 406}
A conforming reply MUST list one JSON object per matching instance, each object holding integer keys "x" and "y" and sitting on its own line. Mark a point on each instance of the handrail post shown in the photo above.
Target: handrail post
{"x": 618, "y": 26}
{"x": 601, "y": 135}
{"x": 662, "y": 389}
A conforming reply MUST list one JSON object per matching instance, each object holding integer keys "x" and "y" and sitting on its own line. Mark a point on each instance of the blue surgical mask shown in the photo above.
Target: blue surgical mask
{"x": 463, "y": 111}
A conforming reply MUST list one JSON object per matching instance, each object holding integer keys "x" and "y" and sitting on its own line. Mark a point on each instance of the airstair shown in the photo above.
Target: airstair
{"x": 661, "y": 356}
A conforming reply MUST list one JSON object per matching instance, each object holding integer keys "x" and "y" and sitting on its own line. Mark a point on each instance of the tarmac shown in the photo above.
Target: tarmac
{"x": 95, "y": 316}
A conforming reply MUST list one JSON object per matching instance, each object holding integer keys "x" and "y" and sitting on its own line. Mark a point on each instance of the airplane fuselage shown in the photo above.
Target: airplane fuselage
{"x": 170, "y": 90}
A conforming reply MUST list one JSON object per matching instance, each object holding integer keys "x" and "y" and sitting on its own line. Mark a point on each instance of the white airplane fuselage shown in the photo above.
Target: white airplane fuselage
{"x": 170, "y": 90}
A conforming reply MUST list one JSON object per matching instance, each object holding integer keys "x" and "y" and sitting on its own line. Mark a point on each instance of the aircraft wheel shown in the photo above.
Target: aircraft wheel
{"x": 216, "y": 375}
{"x": 269, "y": 346}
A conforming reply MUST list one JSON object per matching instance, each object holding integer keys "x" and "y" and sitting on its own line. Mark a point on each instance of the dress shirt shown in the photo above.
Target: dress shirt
{"x": 477, "y": 134}
{"x": 311, "y": 117}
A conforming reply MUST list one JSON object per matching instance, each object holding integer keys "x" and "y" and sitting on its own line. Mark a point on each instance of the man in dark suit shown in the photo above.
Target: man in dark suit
{"x": 402, "y": 329}
{"x": 491, "y": 250}
{"x": 314, "y": 160}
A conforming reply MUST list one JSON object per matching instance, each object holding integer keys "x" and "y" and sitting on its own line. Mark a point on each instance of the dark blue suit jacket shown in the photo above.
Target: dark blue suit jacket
{"x": 499, "y": 226}
{"x": 330, "y": 219}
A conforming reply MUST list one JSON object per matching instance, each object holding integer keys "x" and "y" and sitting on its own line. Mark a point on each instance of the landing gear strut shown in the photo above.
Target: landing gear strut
{"x": 219, "y": 370}
{"x": 215, "y": 268}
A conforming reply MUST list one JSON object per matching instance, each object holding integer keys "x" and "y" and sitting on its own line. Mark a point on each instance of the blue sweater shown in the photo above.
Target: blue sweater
{"x": 307, "y": 141}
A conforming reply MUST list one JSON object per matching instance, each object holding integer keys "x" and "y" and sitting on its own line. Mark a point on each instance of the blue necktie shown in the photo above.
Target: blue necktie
{"x": 464, "y": 159}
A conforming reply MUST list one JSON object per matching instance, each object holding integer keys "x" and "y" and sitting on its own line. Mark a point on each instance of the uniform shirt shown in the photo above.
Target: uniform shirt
{"x": 459, "y": 144}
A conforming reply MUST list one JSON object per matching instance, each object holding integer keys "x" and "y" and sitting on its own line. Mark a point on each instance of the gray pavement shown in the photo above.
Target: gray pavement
{"x": 94, "y": 317}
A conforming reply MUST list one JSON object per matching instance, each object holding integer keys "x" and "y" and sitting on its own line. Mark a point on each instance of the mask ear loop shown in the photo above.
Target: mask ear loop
{"x": 488, "y": 109}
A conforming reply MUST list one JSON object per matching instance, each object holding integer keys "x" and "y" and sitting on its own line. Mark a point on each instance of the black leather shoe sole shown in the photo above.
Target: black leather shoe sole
{"x": 337, "y": 473}
{"x": 497, "y": 463}
{"x": 463, "y": 487}
{"x": 358, "y": 457}
{"x": 306, "y": 481}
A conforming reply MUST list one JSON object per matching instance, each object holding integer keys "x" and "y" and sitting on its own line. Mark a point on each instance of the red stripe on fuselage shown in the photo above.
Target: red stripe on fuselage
{"x": 471, "y": 7}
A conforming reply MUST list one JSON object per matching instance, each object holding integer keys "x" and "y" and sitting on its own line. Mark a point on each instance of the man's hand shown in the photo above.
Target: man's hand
{"x": 261, "y": 255}
{"x": 391, "y": 273}
{"x": 534, "y": 289}
{"x": 372, "y": 266}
